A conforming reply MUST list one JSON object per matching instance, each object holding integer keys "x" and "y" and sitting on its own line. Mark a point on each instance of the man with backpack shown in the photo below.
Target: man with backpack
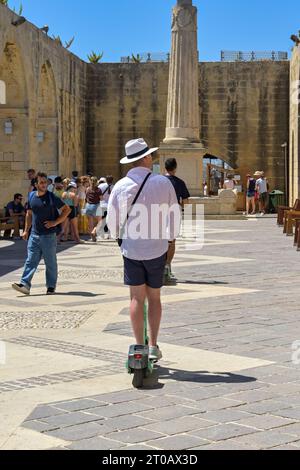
{"x": 45, "y": 214}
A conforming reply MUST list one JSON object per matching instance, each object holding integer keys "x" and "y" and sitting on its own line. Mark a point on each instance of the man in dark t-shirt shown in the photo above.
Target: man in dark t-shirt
{"x": 183, "y": 196}
{"x": 15, "y": 206}
{"x": 42, "y": 220}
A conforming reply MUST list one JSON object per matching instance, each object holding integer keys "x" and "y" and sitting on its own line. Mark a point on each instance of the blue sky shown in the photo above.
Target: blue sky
{"x": 121, "y": 27}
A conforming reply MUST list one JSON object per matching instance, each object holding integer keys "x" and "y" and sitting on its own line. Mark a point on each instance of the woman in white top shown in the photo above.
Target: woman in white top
{"x": 229, "y": 183}
{"x": 106, "y": 189}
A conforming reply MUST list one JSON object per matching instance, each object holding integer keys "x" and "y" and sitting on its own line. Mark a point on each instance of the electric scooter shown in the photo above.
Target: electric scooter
{"x": 138, "y": 362}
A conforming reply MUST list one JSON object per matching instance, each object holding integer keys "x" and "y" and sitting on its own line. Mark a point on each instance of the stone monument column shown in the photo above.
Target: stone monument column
{"x": 182, "y": 139}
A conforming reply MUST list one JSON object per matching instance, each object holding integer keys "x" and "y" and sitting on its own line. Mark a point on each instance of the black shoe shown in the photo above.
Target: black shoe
{"x": 50, "y": 291}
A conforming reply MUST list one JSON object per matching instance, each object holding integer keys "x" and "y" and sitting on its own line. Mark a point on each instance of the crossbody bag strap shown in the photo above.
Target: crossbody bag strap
{"x": 133, "y": 203}
{"x": 107, "y": 189}
{"x": 138, "y": 194}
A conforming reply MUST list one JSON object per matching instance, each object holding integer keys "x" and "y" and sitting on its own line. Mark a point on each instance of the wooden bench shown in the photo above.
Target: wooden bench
{"x": 282, "y": 209}
{"x": 6, "y": 225}
{"x": 297, "y": 234}
{"x": 290, "y": 217}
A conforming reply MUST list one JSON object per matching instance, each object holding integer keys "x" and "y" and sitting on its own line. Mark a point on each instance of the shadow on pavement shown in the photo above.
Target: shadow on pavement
{"x": 13, "y": 254}
{"x": 205, "y": 283}
{"x": 75, "y": 294}
{"x": 200, "y": 377}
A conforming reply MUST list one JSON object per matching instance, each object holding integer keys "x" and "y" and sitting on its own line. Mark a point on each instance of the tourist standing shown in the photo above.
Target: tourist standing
{"x": 262, "y": 190}
{"x": 144, "y": 254}
{"x": 70, "y": 198}
{"x": 183, "y": 196}
{"x": 82, "y": 185}
{"x": 75, "y": 175}
{"x": 250, "y": 199}
{"x": 58, "y": 187}
{"x": 31, "y": 175}
{"x": 229, "y": 183}
{"x": 42, "y": 219}
{"x": 106, "y": 189}
{"x": 93, "y": 198}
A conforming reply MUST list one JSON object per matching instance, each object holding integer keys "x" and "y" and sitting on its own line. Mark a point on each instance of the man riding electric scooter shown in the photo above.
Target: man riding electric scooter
{"x": 143, "y": 213}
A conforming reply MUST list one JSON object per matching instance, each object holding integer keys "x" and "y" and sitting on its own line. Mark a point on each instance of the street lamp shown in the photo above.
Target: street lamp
{"x": 286, "y": 171}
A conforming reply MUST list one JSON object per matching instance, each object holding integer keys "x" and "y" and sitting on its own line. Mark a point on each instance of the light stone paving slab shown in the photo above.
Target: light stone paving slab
{"x": 225, "y": 269}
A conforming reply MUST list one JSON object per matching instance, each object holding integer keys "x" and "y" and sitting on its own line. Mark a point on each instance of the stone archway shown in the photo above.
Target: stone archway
{"x": 47, "y": 122}
{"x": 14, "y": 125}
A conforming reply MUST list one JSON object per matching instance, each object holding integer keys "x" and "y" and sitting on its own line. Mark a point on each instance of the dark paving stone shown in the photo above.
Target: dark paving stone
{"x": 134, "y": 436}
{"x": 223, "y": 432}
{"x": 44, "y": 412}
{"x": 76, "y": 433}
{"x": 79, "y": 405}
{"x": 96, "y": 443}
{"x": 180, "y": 425}
{"x": 179, "y": 442}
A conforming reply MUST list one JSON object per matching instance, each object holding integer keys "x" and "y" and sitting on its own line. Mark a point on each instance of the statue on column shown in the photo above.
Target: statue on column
{"x": 182, "y": 3}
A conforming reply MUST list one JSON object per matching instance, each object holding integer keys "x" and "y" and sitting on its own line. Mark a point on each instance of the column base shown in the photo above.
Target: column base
{"x": 189, "y": 158}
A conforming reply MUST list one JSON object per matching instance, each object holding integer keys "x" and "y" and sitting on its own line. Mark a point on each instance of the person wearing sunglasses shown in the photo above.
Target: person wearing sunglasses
{"x": 16, "y": 211}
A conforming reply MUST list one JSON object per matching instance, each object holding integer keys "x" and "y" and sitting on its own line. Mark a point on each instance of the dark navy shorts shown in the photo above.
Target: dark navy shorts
{"x": 151, "y": 272}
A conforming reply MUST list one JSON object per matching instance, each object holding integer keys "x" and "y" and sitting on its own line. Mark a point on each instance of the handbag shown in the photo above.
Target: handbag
{"x": 120, "y": 240}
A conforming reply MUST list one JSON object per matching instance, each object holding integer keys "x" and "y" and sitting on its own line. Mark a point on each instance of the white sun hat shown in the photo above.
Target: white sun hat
{"x": 136, "y": 150}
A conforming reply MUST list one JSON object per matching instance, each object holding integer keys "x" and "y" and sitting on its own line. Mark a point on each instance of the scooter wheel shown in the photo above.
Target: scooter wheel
{"x": 138, "y": 378}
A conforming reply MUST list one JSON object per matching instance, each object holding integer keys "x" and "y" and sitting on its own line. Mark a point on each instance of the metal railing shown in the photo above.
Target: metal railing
{"x": 146, "y": 57}
{"x": 258, "y": 56}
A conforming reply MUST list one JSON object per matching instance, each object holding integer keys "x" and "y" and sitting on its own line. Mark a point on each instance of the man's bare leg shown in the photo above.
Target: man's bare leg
{"x": 138, "y": 297}
{"x": 171, "y": 252}
{"x": 154, "y": 313}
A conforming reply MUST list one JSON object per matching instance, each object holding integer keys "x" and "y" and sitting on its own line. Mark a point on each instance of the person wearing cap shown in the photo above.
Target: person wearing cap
{"x": 262, "y": 188}
{"x": 106, "y": 187}
{"x": 134, "y": 217}
{"x": 251, "y": 189}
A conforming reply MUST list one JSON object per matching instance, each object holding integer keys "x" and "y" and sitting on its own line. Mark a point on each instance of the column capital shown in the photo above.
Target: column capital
{"x": 184, "y": 19}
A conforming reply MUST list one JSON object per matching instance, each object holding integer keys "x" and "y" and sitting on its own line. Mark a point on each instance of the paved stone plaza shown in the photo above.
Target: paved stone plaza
{"x": 227, "y": 380}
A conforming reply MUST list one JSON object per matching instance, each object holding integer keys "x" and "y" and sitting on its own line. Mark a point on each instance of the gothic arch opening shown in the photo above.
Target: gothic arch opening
{"x": 215, "y": 169}
{"x": 14, "y": 126}
{"x": 47, "y": 123}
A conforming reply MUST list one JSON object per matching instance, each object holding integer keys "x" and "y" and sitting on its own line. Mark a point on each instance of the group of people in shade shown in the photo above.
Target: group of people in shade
{"x": 86, "y": 196}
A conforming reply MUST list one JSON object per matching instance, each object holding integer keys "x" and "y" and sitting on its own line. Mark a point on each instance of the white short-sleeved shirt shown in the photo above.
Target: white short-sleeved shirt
{"x": 104, "y": 187}
{"x": 158, "y": 192}
{"x": 261, "y": 184}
